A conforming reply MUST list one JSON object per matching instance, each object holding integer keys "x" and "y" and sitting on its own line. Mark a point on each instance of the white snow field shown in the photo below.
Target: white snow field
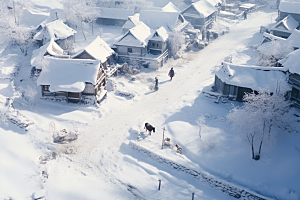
{"x": 101, "y": 163}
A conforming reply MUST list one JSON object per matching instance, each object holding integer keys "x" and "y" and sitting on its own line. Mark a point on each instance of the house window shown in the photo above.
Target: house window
{"x": 153, "y": 44}
{"x": 46, "y": 88}
{"x": 129, "y": 50}
{"x": 157, "y": 44}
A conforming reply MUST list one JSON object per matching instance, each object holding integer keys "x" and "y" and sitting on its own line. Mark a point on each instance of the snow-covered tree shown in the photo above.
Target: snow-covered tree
{"x": 10, "y": 27}
{"x": 79, "y": 13}
{"x": 175, "y": 42}
{"x": 273, "y": 51}
{"x": 262, "y": 116}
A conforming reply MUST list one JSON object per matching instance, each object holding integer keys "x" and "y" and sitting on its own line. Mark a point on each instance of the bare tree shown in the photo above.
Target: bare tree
{"x": 261, "y": 116}
{"x": 79, "y": 13}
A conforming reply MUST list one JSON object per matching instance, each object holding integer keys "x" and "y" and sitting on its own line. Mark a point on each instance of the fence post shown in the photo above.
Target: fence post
{"x": 193, "y": 196}
{"x": 162, "y": 144}
{"x": 159, "y": 184}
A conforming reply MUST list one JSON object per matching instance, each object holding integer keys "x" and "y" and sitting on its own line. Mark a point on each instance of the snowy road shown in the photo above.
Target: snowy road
{"x": 98, "y": 149}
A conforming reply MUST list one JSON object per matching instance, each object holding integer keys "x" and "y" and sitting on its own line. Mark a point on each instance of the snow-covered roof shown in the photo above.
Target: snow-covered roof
{"x": 247, "y": 5}
{"x": 213, "y": 2}
{"x": 289, "y": 7}
{"x": 203, "y": 7}
{"x": 137, "y": 36}
{"x": 68, "y": 74}
{"x": 170, "y": 7}
{"x": 113, "y": 13}
{"x": 55, "y": 30}
{"x": 132, "y": 21}
{"x": 155, "y": 19}
{"x": 160, "y": 34}
{"x": 292, "y": 62}
{"x": 272, "y": 37}
{"x": 52, "y": 17}
{"x": 98, "y": 49}
{"x": 288, "y": 24}
{"x": 50, "y": 48}
{"x": 253, "y": 77}
{"x": 294, "y": 39}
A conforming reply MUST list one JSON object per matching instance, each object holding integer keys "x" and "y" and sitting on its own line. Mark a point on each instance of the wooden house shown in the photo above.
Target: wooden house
{"x": 135, "y": 41}
{"x": 112, "y": 16}
{"x": 293, "y": 39}
{"x": 292, "y": 64}
{"x": 234, "y": 81}
{"x": 97, "y": 50}
{"x": 158, "y": 42}
{"x": 289, "y": 8}
{"x": 58, "y": 31}
{"x": 285, "y": 27}
{"x": 72, "y": 79}
{"x": 200, "y": 14}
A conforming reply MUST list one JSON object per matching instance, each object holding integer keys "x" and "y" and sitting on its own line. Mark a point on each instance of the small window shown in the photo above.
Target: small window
{"x": 47, "y": 87}
{"x": 129, "y": 50}
{"x": 153, "y": 44}
{"x": 157, "y": 44}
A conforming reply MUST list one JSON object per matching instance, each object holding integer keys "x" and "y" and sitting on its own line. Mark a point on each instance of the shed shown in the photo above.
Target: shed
{"x": 112, "y": 16}
{"x": 200, "y": 14}
{"x": 70, "y": 79}
{"x": 285, "y": 27}
{"x": 289, "y": 7}
{"x": 97, "y": 50}
{"x": 236, "y": 80}
{"x": 169, "y": 20}
{"x": 135, "y": 41}
{"x": 58, "y": 31}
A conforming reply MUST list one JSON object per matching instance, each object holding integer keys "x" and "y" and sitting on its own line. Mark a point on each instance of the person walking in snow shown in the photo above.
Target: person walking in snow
{"x": 203, "y": 35}
{"x": 245, "y": 14}
{"x": 207, "y": 35}
{"x": 171, "y": 73}
{"x": 156, "y": 84}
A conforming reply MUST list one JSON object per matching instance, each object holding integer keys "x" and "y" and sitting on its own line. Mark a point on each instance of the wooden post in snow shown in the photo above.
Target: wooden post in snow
{"x": 162, "y": 144}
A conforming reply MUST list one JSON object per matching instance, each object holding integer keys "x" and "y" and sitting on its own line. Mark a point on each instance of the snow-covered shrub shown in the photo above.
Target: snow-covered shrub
{"x": 176, "y": 42}
{"x": 111, "y": 84}
{"x": 30, "y": 94}
{"x": 271, "y": 52}
{"x": 125, "y": 94}
{"x": 64, "y": 136}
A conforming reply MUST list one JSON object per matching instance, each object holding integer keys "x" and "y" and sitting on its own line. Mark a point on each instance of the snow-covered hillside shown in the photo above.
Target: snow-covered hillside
{"x": 111, "y": 159}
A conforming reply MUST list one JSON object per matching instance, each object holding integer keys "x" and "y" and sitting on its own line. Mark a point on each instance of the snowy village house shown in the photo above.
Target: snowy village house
{"x": 200, "y": 14}
{"x": 112, "y": 16}
{"x": 233, "y": 81}
{"x": 63, "y": 35}
{"x": 291, "y": 62}
{"x": 285, "y": 27}
{"x": 134, "y": 42}
{"x": 72, "y": 80}
{"x": 289, "y": 8}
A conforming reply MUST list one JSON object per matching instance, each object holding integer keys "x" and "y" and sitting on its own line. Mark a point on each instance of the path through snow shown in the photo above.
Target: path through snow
{"x": 98, "y": 149}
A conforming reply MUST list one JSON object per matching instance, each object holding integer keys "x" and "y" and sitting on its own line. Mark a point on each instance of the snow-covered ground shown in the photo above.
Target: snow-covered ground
{"x": 102, "y": 165}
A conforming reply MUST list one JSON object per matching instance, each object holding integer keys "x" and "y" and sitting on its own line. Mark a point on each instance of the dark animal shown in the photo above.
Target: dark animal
{"x": 149, "y": 128}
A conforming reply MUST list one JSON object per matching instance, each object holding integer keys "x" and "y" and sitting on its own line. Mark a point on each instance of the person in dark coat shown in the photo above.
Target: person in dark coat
{"x": 156, "y": 84}
{"x": 203, "y": 35}
{"x": 207, "y": 35}
{"x": 245, "y": 14}
{"x": 171, "y": 73}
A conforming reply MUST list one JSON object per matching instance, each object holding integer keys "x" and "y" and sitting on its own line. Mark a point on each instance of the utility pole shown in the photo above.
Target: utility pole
{"x": 162, "y": 144}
